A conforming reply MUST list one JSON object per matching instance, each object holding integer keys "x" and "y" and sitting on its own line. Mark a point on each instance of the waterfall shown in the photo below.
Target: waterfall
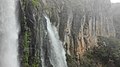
{"x": 57, "y": 53}
{"x": 9, "y": 30}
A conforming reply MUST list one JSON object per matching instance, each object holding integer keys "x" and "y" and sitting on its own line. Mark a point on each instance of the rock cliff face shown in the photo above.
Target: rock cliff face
{"x": 115, "y": 11}
{"x": 79, "y": 22}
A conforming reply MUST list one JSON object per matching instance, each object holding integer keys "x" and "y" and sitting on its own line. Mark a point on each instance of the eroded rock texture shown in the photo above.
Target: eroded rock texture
{"x": 79, "y": 22}
{"x": 115, "y": 11}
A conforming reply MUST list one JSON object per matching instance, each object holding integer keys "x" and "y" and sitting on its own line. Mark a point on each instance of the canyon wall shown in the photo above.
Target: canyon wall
{"x": 79, "y": 23}
{"x": 116, "y": 16}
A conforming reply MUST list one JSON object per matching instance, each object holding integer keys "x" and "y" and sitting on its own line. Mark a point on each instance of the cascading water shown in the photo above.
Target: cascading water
{"x": 8, "y": 34}
{"x": 57, "y": 53}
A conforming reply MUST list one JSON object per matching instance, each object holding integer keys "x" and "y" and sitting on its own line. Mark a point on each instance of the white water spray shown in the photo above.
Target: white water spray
{"x": 8, "y": 34}
{"x": 57, "y": 53}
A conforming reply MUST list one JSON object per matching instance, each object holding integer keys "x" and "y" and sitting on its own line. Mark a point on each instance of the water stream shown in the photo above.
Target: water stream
{"x": 57, "y": 53}
{"x": 9, "y": 30}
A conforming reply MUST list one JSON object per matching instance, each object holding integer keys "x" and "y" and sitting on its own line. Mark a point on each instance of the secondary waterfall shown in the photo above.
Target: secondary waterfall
{"x": 9, "y": 30}
{"x": 57, "y": 53}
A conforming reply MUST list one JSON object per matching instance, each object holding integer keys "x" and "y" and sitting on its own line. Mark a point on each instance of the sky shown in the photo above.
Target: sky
{"x": 115, "y": 1}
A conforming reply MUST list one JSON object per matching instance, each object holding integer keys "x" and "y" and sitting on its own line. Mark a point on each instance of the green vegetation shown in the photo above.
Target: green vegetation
{"x": 106, "y": 54}
{"x": 30, "y": 55}
{"x": 26, "y": 49}
{"x": 35, "y": 3}
{"x": 71, "y": 61}
{"x": 26, "y": 57}
{"x": 108, "y": 51}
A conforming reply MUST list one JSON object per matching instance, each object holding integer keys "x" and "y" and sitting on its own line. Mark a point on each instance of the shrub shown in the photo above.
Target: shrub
{"x": 108, "y": 51}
